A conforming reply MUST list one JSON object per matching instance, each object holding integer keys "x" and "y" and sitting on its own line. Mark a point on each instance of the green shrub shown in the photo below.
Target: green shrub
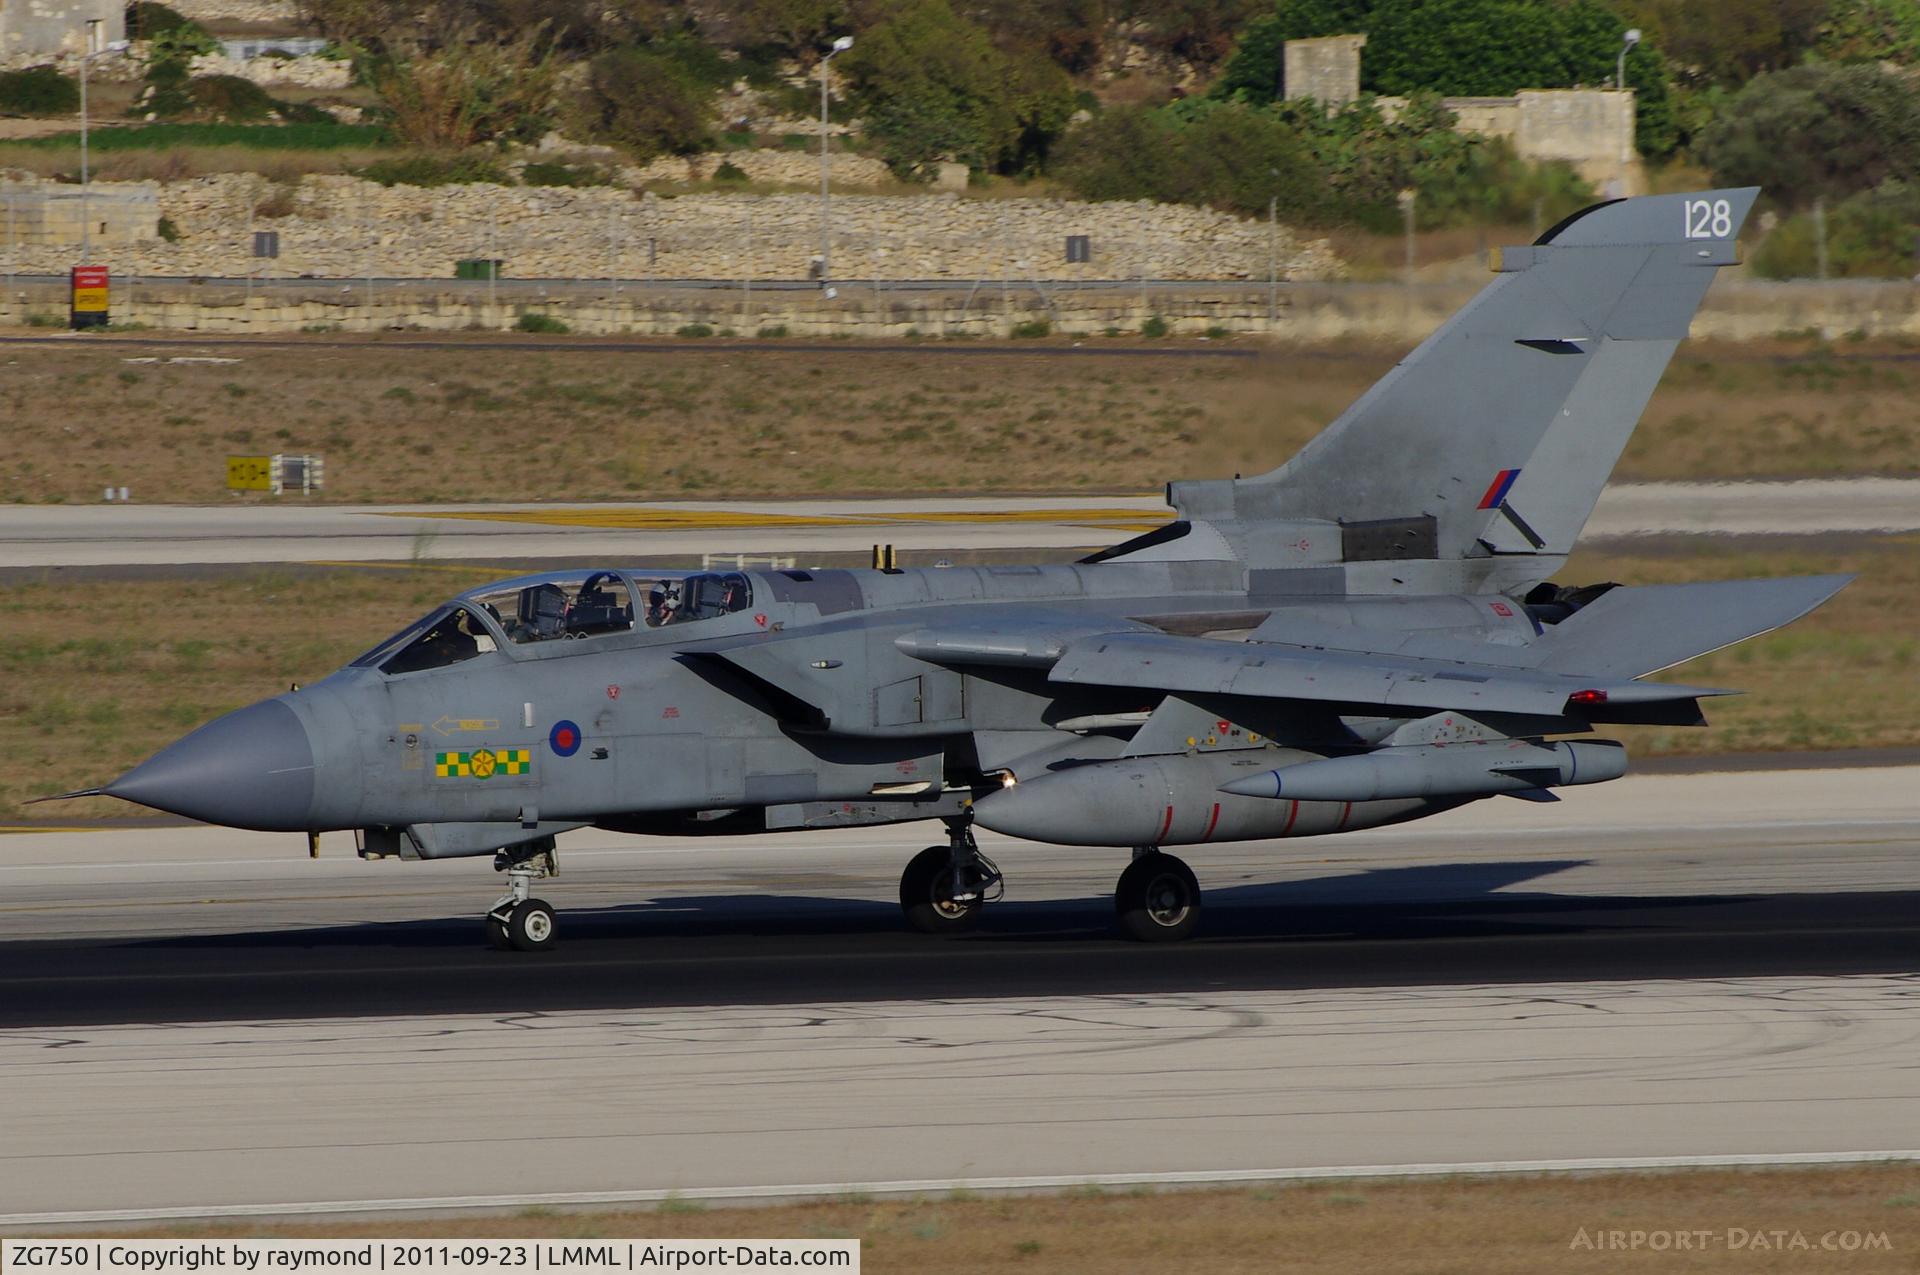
{"x": 1218, "y": 333}
{"x": 1468, "y": 48}
{"x": 167, "y": 230}
{"x": 644, "y": 102}
{"x": 1816, "y": 130}
{"x": 729, "y": 172}
{"x": 1032, "y": 329}
{"x": 437, "y": 170}
{"x": 41, "y": 320}
{"x": 323, "y": 135}
{"x": 694, "y": 330}
{"x": 1317, "y": 166}
{"x": 1155, "y": 327}
{"x": 559, "y": 174}
{"x": 534, "y": 321}
{"x": 38, "y": 90}
{"x": 148, "y": 18}
{"x": 776, "y": 330}
{"x": 931, "y": 85}
{"x": 1874, "y": 235}
{"x": 229, "y": 99}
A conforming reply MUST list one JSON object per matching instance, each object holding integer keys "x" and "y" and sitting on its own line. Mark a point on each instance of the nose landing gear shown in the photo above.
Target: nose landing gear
{"x": 517, "y": 921}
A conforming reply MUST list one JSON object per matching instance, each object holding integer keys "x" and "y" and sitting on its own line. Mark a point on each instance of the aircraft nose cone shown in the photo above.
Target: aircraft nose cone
{"x": 250, "y": 769}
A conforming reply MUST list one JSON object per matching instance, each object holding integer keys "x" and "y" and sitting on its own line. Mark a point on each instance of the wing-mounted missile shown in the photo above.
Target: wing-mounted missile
{"x": 1471, "y": 769}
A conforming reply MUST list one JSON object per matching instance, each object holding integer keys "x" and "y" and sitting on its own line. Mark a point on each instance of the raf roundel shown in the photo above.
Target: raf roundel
{"x": 565, "y": 739}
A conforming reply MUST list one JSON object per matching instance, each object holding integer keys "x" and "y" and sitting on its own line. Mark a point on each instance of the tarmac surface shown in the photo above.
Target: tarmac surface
{"x": 97, "y": 535}
{"x": 1713, "y": 964}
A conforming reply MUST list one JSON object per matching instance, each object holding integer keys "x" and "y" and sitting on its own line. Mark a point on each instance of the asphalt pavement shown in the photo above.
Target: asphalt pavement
{"x": 294, "y": 531}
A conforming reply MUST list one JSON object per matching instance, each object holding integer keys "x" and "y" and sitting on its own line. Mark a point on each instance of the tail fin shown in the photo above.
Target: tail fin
{"x": 1497, "y": 433}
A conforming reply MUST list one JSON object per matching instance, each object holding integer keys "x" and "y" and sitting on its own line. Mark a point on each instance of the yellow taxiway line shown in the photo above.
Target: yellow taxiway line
{"x": 723, "y": 520}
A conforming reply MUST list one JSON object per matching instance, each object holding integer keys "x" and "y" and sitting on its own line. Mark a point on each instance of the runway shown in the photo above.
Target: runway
{"x": 57, "y": 535}
{"x": 1712, "y": 964}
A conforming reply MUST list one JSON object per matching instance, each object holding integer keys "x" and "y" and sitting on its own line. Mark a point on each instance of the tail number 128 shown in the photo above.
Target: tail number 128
{"x": 1708, "y": 219}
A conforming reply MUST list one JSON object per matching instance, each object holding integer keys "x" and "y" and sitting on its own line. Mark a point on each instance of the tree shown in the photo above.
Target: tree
{"x": 1070, "y": 33}
{"x": 800, "y": 29}
{"x": 1816, "y": 130}
{"x": 1464, "y": 48}
{"x": 1741, "y": 39}
{"x": 1125, "y": 152}
{"x": 932, "y": 86}
{"x": 1198, "y": 31}
{"x": 1871, "y": 31}
{"x": 645, "y": 103}
{"x": 471, "y": 91}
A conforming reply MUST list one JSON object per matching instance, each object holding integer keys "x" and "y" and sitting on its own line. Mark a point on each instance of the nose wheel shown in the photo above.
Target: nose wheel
{"x": 1158, "y": 898}
{"x": 517, "y": 921}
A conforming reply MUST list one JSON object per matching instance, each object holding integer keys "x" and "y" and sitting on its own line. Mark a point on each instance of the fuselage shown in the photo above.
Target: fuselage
{"x": 802, "y": 700}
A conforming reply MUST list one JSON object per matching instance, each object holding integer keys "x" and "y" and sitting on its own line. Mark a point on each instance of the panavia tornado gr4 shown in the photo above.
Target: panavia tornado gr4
{"x": 1369, "y": 634}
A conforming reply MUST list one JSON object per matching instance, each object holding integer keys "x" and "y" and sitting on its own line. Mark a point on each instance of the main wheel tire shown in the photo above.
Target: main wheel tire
{"x": 497, "y": 934}
{"x": 531, "y": 926}
{"x": 926, "y": 895}
{"x": 1158, "y": 899}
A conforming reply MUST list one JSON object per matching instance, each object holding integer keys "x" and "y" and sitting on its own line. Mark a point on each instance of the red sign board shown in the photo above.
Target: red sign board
{"x": 89, "y": 291}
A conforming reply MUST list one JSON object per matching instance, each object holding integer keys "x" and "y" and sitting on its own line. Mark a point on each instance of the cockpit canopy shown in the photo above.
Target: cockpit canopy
{"x": 562, "y": 607}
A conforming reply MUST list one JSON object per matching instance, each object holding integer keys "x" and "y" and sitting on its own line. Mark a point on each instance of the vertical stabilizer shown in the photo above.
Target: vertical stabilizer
{"x": 1497, "y": 433}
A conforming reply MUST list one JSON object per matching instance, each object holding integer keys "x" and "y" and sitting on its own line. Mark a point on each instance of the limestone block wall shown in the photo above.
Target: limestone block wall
{"x": 1592, "y": 129}
{"x": 281, "y": 12}
{"x": 1326, "y": 70}
{"x": 49, "y": 218}
{"x": 308, "y": 72}
{"x": 342, "y": 227}
{"x": 36, "y": 27}
{"x": 782, "y": 167}
{"x": 1299, "y": 312}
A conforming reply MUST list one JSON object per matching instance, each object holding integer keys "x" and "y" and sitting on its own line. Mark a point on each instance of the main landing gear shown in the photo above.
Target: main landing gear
{"x": 1158, "y": 899}
{"x": 944, "y": 888}
{"x": 517, "y": 921}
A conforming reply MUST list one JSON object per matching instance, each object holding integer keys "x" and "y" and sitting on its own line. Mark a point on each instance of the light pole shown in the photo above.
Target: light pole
{"x": 86, "y": 59}
{"x": 1627, "y": 41}
{"x": 841, "y": 45}
{"x": 86, "y": 213}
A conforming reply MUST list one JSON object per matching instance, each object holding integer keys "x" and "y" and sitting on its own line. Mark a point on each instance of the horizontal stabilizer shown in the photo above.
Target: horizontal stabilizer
{"x": 1630, "y": 632}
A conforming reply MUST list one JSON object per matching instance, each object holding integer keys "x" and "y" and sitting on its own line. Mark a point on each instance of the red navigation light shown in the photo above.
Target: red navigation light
{"x": 1586, "y": 699}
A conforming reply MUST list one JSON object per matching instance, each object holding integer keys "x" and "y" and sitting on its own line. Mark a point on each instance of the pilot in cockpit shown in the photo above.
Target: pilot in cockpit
{"x": 663, "y": 603}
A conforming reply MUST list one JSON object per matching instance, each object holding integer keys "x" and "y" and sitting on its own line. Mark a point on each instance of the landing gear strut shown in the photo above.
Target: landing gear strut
{"x": 1158, "y": 898}
{"x": 945, "y": 888}
{"x": 517, "y": 921}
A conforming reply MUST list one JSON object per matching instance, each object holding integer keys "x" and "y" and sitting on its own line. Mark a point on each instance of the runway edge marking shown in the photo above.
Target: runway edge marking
{"x": 935, "y": 1186}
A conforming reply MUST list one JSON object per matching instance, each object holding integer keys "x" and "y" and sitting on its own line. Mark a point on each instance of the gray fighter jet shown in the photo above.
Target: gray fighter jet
{"x": 1366, "y": 635}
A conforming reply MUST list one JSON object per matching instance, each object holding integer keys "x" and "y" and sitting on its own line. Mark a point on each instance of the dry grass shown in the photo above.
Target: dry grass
{"x": 491, "y": 422}
{"x": 1488, "y": 1226}
{"x": 1843, "y": 677}
{"x": 184, "y": 163}
{"x": 95, "y": 677}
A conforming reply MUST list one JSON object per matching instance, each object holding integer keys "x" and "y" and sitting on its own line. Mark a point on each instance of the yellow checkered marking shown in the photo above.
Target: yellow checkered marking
{"x": 482, "y": 763}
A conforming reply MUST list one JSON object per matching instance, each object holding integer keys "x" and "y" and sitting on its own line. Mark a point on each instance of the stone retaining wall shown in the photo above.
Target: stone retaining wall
{"x": 1302, "y": 312}
{"x": 342, "y": 227}
{"x": 308, "y": 72}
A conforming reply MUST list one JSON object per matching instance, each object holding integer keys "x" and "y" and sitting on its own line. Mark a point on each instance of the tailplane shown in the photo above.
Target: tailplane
{"x": 1495, "y": 436}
